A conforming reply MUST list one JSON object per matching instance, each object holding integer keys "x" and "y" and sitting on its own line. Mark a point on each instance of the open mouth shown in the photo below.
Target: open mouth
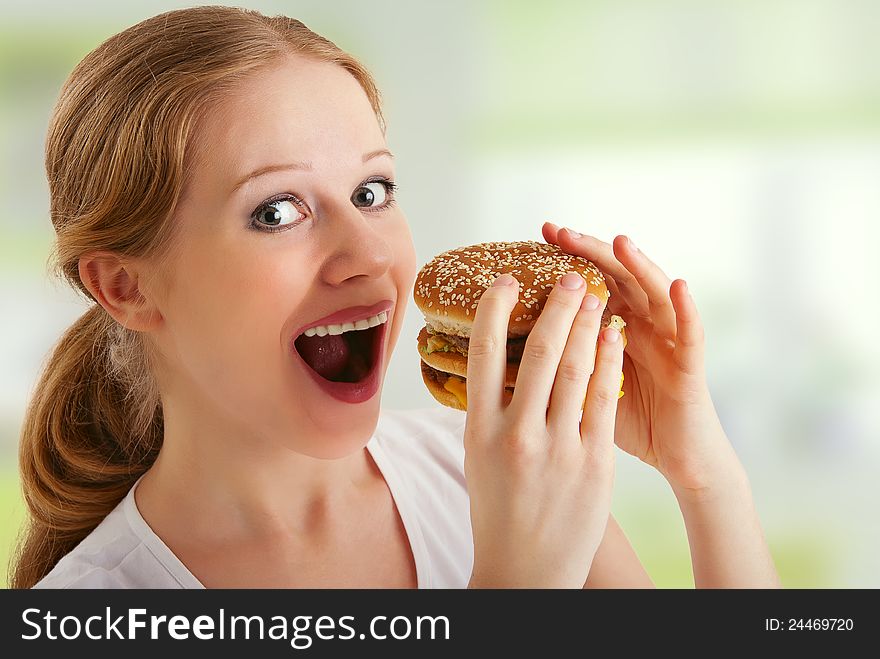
{"x": 346, "y": 357}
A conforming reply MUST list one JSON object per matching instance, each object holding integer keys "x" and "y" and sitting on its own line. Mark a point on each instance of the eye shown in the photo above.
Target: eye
{"x": 278, "y": 213}
{"x": 370, "y": 194}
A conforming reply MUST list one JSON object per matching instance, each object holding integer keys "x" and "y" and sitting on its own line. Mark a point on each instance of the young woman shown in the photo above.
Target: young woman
{"x": 220, "y": 182}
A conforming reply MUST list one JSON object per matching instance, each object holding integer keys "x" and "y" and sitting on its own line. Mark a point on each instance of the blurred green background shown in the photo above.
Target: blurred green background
{"x": 736, "y": 141}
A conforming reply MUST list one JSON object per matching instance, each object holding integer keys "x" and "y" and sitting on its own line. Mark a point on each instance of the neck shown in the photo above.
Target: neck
{"x": 234, "y": 483}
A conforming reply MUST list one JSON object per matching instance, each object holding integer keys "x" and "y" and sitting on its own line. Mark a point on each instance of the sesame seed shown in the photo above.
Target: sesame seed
{"x": 460, "y": 276}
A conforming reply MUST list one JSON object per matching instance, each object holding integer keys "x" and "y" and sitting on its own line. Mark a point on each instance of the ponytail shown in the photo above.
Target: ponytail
{"x": 93, "y": 427}
{"x": 121, "y": 145}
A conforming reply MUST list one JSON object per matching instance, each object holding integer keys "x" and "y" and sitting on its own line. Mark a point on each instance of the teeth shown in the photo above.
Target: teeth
{"x": 378, "y": 319}
{"x": 333, "y": 330}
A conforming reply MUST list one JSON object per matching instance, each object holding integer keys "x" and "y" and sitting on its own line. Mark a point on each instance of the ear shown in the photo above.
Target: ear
{"x": 114, "y": 283}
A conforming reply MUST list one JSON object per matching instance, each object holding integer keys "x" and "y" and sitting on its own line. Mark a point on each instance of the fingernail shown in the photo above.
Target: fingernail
{"x": 572, "y": 281}
{"x": 590, "y": 302}
{"x": 631, "y": 244}
{"x": 574, "y": 234}
{"x": 611, "y": 335}
{"x": 504, "y": 280}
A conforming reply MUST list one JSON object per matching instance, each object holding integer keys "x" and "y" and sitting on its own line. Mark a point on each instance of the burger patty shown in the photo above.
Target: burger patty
{"x": 435, "y": 375}
{"x": 460, "y": 344}
{"x": 515, "y": 346}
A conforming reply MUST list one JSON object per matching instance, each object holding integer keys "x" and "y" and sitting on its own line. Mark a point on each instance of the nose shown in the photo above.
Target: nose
{"x": 355, "y": 244}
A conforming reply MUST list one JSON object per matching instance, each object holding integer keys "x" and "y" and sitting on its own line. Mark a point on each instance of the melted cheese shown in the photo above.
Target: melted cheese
{"x": 458, "y": 388}
{"x": 437, "y": 343}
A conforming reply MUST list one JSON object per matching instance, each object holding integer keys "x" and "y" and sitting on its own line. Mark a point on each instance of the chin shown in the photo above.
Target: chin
{"x": 325, "y": 432}
{"x": 334, "y": 445}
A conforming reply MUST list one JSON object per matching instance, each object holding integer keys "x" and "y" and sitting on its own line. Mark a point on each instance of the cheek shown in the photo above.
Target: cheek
{"x": 229, "y": 308}
{"x": 404, "y": 273}
{"x": 407, "y": 251}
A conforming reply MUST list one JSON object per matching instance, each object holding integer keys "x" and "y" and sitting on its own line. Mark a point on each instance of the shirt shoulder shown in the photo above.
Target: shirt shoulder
{"x": 113, "y": 555}
{"x": 425, "y": 446}
{"x": 427, "y": 438}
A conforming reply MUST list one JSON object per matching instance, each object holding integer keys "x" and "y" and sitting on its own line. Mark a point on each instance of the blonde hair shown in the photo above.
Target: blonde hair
{"x": 120, "y": 141}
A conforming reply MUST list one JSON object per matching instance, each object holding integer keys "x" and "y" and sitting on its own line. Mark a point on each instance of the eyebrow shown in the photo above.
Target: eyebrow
{"x": 306, "y": 166}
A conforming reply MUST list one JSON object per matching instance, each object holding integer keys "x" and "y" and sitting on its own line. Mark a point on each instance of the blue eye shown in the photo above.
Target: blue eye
{"x": 274, "y": 215}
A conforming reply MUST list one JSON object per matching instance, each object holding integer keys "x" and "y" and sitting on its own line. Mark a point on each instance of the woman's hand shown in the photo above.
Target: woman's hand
{"x": 540, "y": 479}
{"x": 666, "y": 417}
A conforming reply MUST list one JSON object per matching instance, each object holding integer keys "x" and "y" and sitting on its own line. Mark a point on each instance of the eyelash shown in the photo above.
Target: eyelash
{"x": 390, "y": 188}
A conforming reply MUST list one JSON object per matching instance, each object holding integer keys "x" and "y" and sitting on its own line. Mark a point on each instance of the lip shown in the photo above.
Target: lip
{"x": 352, "y": 392}
{"x": 348, "y": 315}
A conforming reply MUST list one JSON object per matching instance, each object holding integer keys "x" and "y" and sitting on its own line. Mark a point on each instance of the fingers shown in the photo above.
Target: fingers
{"x": 575, "y": 368}
{"x": 544, "y": 347}
{"x": 602, "y": 254}
{"x": 658, "y": 308}
{"x": 487, "y": 347}
{"x": 652, "y": 280}
{"x": 637, "y": 279}
{"x": 548, "y": 230}
{"x": 600, "y": 409}
{"x": 689, "y": 349}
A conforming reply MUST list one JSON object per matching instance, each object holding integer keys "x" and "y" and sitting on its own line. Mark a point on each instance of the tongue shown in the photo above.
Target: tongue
{"x": 328, "y": 355}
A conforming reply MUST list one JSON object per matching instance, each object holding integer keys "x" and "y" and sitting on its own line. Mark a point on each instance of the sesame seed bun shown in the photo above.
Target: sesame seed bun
{"x": 448, "y": 288}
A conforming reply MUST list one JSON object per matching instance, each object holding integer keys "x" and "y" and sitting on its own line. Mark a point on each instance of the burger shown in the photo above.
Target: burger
{"x": 448, "y": 289}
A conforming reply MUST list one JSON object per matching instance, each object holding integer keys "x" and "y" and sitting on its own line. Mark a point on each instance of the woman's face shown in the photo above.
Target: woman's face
{"x": 246, "y": 277}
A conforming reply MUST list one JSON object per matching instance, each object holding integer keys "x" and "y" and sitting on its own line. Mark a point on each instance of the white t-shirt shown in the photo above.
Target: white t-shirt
{"x": 419, "y": 452}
